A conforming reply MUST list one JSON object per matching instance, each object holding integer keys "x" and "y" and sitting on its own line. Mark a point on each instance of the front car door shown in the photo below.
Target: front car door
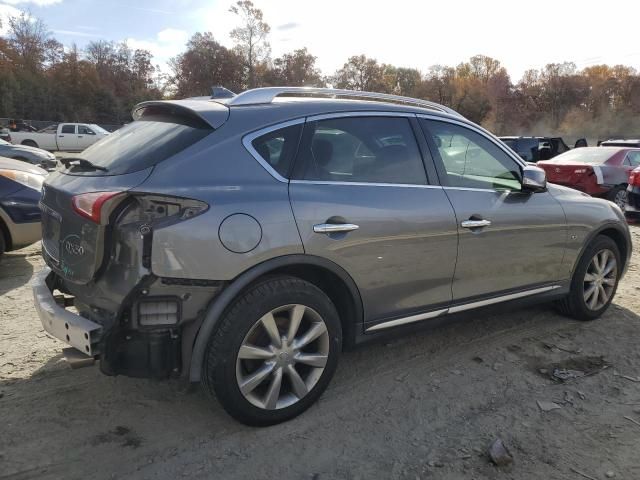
{"x": 86, "y": 137}
{"x": 68, "y": 138}
{"x": 509, "y": 240}
{"x": 362, "y": 199}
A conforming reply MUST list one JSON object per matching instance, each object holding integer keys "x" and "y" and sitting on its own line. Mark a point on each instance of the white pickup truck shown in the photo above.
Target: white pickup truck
{"x": 66, "y": 137}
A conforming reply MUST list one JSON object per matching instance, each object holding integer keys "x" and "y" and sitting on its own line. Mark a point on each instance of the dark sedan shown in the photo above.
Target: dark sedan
{"x": 598, "y": 171}
{"x": 32, "y": 155}
{"x": 20, "y": 186}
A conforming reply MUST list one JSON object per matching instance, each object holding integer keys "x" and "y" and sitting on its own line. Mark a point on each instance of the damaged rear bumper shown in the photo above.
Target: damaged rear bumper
{"x": 71, "y": 328}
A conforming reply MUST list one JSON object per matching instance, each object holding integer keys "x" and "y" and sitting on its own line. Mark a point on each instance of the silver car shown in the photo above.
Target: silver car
{"x": 245, "y": 242}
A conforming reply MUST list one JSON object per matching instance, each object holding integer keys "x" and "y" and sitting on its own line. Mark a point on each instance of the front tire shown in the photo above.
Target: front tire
{"x": 595, "y": 280}
{"x": 275, "y": 351}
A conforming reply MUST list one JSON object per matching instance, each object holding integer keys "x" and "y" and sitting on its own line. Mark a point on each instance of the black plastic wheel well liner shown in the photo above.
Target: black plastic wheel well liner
{"x": 328, "y": 276}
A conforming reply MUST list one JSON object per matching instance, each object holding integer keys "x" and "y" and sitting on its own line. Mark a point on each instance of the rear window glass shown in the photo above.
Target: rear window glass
{"x": 68, "y": 129}
{"x": 591, "y": 155}
{"x": 143, "y": 143}
{"x": 278, "y": 148}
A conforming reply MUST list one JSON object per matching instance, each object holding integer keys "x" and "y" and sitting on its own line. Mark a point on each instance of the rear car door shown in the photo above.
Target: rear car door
{"x": 522, "y": 242}
{"x": 362, "y": 199}
{"x": 67, "y": 137}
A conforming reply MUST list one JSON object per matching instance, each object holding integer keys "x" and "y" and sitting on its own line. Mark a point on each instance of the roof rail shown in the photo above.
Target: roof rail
{"x": 268, "y": 95}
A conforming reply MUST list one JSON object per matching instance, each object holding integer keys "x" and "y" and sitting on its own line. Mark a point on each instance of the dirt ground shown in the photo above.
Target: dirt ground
{"x": 424, "y": 406}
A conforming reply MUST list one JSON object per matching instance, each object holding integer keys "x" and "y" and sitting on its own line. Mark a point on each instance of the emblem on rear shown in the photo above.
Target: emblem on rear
{"x": 72, "y": 249}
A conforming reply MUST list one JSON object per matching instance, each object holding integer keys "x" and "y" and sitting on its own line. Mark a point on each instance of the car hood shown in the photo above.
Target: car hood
{"x": 11, "y": 164}
{"x": 562, "y": 191}
{"x": 34, "y": 150}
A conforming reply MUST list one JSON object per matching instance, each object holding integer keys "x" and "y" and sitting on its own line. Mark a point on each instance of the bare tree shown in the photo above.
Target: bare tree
{"x": 250, "y": 37}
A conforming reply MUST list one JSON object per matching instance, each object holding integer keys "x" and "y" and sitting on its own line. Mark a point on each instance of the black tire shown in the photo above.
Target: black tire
{"x": 615, "y": 192}
{"x": 219, "y": 372}
{"x": 574, "y": 305}
{"x": 3, "y": 241}
{"x": 30, "y": 143}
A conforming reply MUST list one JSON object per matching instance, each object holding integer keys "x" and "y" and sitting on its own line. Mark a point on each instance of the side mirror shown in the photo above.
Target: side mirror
{"x": 534, "y": 179}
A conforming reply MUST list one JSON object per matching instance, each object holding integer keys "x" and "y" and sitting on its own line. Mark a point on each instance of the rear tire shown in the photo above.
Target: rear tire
{"x": 618, "y": 195}
{"x": 594, "y": 282}
{"x": 262, "y": 369}
{"x": 30, "y": 143}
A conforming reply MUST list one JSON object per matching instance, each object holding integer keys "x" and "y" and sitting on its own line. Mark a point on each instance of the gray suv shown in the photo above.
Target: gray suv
{"x": 245, "y": 242}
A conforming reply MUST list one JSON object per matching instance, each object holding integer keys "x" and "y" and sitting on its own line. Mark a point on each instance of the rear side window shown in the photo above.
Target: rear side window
{"x": 156, "y": 136}
{"x": 68, "y": 129}
{"x": 278, "y": 148}
{"x": 361, "y": 149}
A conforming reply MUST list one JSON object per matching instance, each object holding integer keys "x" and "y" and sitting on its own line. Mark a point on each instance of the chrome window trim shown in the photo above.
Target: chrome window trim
{"x": 488, "y": 135}
{"x": 471, "y": 189}
{"x": 460, "y": 308}
{"x": 248, "y": 139}
{"x": 364, "y": 184}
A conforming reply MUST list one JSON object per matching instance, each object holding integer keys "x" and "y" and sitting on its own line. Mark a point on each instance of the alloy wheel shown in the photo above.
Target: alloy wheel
{"x": 282, "y": 357}
{"x": 621, "y": 199}
{"x": 600, "y": 279}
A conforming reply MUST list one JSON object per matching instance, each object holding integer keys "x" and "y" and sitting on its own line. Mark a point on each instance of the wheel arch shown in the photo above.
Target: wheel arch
{"x": 325, "y": 274}
{"x": 616, "y": 233}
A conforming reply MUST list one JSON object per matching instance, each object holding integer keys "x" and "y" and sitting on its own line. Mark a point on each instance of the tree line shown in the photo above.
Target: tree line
{"x": 41, "y": 79}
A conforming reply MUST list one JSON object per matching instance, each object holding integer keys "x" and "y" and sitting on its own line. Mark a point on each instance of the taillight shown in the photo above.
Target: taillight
{"x": 89, "y": 205}
{"x": 634, "y": 178}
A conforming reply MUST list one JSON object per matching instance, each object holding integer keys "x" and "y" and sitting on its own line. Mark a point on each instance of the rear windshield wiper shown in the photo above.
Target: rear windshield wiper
{"x": 81, "y": 162}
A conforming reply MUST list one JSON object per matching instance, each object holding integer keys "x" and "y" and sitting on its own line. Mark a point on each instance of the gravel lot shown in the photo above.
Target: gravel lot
{"x": 424, "y": 406}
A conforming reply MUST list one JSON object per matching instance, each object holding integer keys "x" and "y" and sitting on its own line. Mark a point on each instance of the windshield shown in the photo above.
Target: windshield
{"x": 144, "y": 143}
{"x": 98, "y": 128}
{"x": 591, "y": 155}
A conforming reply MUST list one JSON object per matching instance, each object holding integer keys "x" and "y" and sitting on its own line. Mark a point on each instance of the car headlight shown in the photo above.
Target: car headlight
{"x": 31, "y": 180}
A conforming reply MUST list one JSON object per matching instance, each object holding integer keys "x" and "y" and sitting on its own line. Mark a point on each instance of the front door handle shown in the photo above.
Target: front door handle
{"x": 334, "y": 227}
{"x": 475, "y": 223}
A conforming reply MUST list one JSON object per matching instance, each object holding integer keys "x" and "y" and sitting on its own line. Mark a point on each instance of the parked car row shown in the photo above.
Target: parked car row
{"x": 599, "y": 171}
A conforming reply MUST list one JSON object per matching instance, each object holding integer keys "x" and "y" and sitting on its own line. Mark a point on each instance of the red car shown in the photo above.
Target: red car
{"x": 598, "y": 171}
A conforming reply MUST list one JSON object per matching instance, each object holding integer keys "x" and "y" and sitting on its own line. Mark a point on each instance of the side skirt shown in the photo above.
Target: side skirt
{"x": 548, "y": 289}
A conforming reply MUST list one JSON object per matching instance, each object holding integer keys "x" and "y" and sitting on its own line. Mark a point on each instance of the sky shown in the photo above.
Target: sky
{"x": 419, "y": 34}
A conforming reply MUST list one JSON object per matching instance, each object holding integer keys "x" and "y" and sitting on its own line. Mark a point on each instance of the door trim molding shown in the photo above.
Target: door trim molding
{"x": 460, "y": 308}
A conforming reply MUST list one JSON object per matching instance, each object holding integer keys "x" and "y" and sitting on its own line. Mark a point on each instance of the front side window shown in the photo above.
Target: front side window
{"x": 278, "y": 148}
{"x": 68, "y": 129}
{"x": 361, "y": 149}
{"x": 84, "y": 130}
{"x": 470, "y": 160}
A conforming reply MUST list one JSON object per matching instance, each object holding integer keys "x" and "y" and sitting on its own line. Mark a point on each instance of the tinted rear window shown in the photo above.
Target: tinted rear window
{"x": 144, "y": 143}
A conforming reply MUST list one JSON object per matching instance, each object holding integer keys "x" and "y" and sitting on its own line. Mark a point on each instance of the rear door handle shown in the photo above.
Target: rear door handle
{"x": 475, "y": 223}
{"x": 334, "y": 227}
